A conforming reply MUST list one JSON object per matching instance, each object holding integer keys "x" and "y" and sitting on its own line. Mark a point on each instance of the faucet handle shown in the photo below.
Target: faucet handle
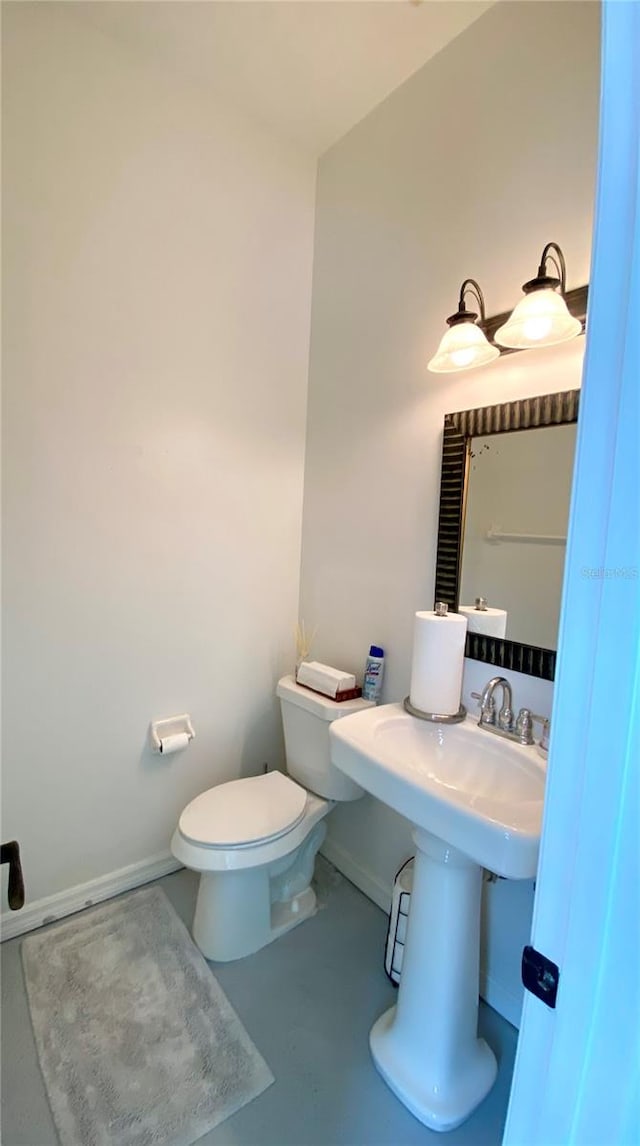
{"x": 524, "y": 728}
{"x": 487, "y": 708}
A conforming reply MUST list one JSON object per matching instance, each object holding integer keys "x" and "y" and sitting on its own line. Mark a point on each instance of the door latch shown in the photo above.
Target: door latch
{"x": 540, "y": 976}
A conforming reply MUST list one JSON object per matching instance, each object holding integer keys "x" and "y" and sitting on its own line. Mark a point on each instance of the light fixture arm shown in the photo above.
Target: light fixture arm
{"x": 552, "y": 253}
{"x": 469, "y": 286}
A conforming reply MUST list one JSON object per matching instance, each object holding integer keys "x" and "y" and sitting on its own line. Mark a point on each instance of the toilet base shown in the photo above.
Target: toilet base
{"x": 238, "y": 912}
{"x": 284, "y": 916}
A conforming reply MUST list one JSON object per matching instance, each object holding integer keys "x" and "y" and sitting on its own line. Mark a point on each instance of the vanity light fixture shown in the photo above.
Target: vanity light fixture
{"x": 542, "y": 317}
{"x": 465, "y": 344}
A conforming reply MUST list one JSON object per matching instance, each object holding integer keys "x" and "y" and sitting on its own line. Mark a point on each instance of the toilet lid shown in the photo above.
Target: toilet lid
{"x": 248, "y": 811}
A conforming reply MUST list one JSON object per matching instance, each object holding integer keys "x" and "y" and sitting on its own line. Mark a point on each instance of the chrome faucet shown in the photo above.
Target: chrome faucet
{"x": 502, "y": 723}
{"x": 504, "y": 716}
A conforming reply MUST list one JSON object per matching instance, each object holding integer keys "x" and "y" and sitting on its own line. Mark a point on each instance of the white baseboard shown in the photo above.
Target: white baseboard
{"x": 491, "y": 990}
{"x": 63, "y": 903}
{"x": 363, "y": 879}
{"x": 501, "y": 998}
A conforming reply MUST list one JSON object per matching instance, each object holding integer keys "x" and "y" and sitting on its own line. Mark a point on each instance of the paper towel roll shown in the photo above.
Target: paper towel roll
{"x": 169, "y": 744}
{"x": 491, "y": 622}
{"x": 438, "y": 661}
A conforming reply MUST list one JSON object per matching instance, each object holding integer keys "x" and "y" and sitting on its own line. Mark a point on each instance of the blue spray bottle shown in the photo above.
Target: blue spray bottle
{"x": 373, "y": 672}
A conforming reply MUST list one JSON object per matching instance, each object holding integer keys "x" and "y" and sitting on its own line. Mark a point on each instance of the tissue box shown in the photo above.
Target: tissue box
{"x": 328, "y": 681}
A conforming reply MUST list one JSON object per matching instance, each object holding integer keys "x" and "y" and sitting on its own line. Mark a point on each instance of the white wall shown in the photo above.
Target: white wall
{"x": 157, "y": 279}
{"x": 519, "y": 483}
{"x": 469, "y": 169}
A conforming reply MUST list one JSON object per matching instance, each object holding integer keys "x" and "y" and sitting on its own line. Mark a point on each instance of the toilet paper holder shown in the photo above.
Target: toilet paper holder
{"x": 160, "y": 730}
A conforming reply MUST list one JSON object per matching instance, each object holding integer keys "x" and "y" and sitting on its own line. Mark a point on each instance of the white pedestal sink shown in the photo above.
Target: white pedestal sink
{"x": 476, "y": 801}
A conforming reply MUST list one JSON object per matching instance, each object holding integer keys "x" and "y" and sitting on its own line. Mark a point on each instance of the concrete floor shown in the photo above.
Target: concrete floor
{"x": 308, "y": 1002}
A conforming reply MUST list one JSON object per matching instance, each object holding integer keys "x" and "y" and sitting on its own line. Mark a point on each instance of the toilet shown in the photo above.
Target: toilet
{"x": 254, "y": 841}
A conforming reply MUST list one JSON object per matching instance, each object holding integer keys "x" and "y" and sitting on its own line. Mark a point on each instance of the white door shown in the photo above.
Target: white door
{"x": 577, "y": 1072}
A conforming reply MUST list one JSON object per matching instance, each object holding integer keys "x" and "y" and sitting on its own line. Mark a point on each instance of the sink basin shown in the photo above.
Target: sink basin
{"x": 479, "y": 792}
{"x": 475, "y": 800}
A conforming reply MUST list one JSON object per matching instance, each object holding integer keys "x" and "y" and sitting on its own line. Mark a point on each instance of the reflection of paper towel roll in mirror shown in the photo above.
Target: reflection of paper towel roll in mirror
{"x": 490, "y": 622}
{"x": 170, "y": 744}
{"x": 438, "y": 661}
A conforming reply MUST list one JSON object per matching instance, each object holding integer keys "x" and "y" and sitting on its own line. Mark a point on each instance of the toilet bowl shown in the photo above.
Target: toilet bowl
{"x": 254, "y": 841}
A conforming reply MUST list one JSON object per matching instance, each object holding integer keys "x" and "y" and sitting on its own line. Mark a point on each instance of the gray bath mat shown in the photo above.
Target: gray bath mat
{"x": 138, "y": 1044}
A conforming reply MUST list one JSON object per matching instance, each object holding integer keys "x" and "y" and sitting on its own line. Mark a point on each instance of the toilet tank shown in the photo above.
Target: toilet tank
{"x": 306, "y": 717}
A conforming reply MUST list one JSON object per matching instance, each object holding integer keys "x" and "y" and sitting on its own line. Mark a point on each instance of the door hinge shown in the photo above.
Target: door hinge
{"x": 540, "y": 976}
{"x": 10, "y": 853}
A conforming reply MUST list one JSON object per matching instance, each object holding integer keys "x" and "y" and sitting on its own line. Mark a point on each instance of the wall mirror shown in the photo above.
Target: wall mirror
{"x": 504, "y": 510}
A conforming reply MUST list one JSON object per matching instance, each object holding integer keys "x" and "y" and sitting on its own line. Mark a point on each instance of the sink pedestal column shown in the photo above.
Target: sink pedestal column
{"x": 427, "y": 1048}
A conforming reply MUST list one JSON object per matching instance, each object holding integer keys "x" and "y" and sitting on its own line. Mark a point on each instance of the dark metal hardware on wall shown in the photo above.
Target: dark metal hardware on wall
{"x": 10, "y": 853}
{"x": 459, "y": 429}
{"x": 469, "y": 286}
{"x": 540, "y": 976}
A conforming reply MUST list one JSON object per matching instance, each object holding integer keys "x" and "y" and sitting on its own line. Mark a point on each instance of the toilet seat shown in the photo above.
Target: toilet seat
{"x": 244, "y": 813}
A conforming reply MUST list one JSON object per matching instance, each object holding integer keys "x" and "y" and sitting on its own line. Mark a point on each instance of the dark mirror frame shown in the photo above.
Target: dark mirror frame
{"x": 459, "y": 430}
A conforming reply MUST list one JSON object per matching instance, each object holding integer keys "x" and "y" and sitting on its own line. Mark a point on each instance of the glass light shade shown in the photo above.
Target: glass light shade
{"x": 462, "y": 347}
{"x": 540, "y": 318}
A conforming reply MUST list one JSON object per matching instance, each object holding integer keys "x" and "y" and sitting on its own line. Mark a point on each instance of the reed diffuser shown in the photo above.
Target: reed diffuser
{"x": 304, "y": 642}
